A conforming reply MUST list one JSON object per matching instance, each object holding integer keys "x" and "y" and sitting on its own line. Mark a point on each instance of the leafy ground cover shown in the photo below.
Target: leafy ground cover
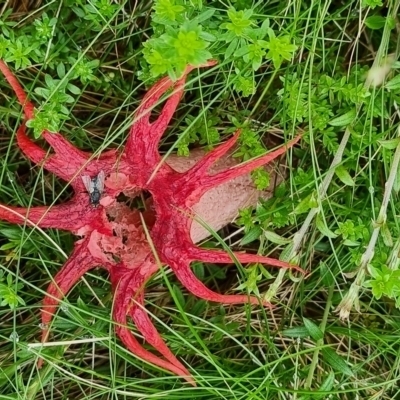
{"x": 328, "y": 70}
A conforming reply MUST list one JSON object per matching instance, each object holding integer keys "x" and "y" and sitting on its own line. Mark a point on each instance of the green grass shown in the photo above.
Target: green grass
{"x": 304, "y": 71}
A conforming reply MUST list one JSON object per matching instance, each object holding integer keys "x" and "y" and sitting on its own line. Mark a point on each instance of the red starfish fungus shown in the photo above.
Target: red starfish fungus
{"x": 114, "y": 232}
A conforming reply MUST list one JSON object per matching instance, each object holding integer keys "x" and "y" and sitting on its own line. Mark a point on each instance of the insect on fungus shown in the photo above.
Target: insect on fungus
{"x": 95, "y": 187}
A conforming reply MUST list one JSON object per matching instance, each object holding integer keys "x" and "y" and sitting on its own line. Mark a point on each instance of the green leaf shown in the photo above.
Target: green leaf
{"x": 313, "y": 202}
{"x": 344, "y": 176}
{"x": 350, "y": 243}
{"x": 9, "y": 280}
{"x": 313, "y": 329}
{"x": 198, "y": 308}
{"x": 208, "y": 37}
{"x": 279, "y": 49}
{"x": 275, "y": 238}
{"x": 198, "y": 270}
{"x": 303, "y": 206}
{"x": 396, "y": 185}
{"x": 178, "y": 295}
{"x": 231, "y": 48}
{"x": 344, "y": 119}
{"x": 242, "y": 51}
{"x": 11, "y": 233}
{"x": 252, "y": 235}
{"x": 386, "y": 235}
{"x": 205, "y": 15}
{"x": 391, "y": 143}
{"x": 326, "y": 386}
{"x": 49, "y": 81}
{"x": 264, "y": 28}
{"x": 326, "y": 275}
{"x": 61, "y": 70}
{"x": 261, "y": 178}
{"x": 375, "y": 22}
{"x": 9, "y": 246}
{"x": 394, "y": 83}
{"x": 335, "y": 361}
{"x": 240, "y": 21}
{"x": 328, "y": 383}
{"x": 296, "y": 332}
{"x": 371, "y": 3}
{"x": 321, "y": 226}
{"x": 73, "y": 89}
{"x": 167, "y": 12}
{"x": 81, "y": 305}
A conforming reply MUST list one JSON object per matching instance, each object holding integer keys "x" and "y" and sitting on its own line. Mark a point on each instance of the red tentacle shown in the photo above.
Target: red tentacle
{"x": 202, "y": 167}
{"x": 207, "y": 182}
{"x": 128, "y": 284}
{"x": 79, "y": 262}
{"x": 64, "y": 148}
{"x": 27, "y": 106}
{"x": 51, "y": 162}
{"x": 151, "y": 335}
{"x": 71, "y": 216}
{"x": 31, "y": 150}
{"x": 65, "y": 151}
{"x": 189, "y": 280}
{"x": 142, "y": 144}
{"x": 221, "y": 257}
{"x": 149, "y": 331}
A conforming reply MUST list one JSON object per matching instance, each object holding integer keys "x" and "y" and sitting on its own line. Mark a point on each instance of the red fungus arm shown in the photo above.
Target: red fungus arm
{"x": 67, "y": 165}
{"x": 79, "y": 262}
{"x": 20, "y": 93}
{"x": 189, "y": 280}
{"x": 31, "y": 150}
{"x": 209, "y": 182}
{"x": 65, "y": 150}
{"x": 127, "y": 288}
{"x": 202, "y": 167}
{"x": 192, "y": 184}
{"x": 142, "y": 144}
{"x": 70, "y": 216}
{"x": 221, "y": 257}
{"x": 58, "y": 142}
{"x": 65, "y": 169}
{"x": 150, "y": 333}
{"x": 142, "y": 321}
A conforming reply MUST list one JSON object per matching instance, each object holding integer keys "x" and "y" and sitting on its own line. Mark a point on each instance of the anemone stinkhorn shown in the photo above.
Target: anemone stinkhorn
{"x": 112, "y": 231}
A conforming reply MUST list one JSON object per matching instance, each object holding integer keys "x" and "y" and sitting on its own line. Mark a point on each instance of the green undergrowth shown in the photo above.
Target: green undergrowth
{"x": 328, "y": 70}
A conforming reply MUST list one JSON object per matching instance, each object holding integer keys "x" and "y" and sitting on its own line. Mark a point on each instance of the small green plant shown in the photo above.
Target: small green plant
{"x": 44, "y": 28}
{"x": 384, "y": 282}
{"x": 198, "y": 130}
{"x": 185, "y": 34}
{"x": 58, "y": 94}
{"x": 176, "y": 48}
{"x": 9, "y": 291}
{"x": 54, "y": 110}
{"x": 372, "y": 3}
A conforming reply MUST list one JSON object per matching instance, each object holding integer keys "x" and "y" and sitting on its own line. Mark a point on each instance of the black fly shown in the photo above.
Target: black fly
{"x": 95, "y": 187}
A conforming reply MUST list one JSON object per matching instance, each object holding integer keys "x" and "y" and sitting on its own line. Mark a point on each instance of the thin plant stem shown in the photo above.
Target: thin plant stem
{"x": 323, "y": 187}
{"x": 319, "y": 342}
{"x": 351, "y": 297}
